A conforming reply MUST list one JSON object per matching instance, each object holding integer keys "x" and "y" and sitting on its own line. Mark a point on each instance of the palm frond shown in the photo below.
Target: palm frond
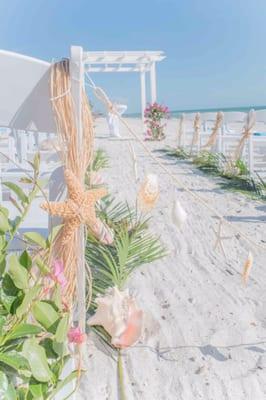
{"x": 100, "y": 160}
{"x": 133, "y": 246}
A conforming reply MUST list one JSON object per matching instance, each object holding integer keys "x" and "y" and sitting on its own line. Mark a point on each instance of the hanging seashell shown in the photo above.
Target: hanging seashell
{"x": 119, "y": 315}
{"x": 179, "y": 215}
{"x": 148, "y": 193}
{"x": 247, "y": 267}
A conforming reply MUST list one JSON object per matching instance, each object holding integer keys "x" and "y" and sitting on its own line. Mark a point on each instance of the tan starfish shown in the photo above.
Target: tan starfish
{"x": 220, "y": 238}
{"x": 78, "y": 209}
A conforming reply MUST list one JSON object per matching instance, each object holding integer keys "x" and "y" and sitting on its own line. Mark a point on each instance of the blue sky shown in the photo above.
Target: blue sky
{"x": 215, "y": 49}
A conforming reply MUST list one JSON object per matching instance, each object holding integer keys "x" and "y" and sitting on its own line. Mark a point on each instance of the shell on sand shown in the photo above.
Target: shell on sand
{"x": 148, "y": 193}
{"x": 179, "y": 215}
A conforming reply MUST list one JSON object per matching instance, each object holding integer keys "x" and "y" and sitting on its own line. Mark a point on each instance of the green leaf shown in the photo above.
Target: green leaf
{"x": 7, "y": 391}
{"x": 45, "y": 314}
{"x": 62, "y": 329}
{"x": 43, "y": 267}
{"x": 35, "y": 354}
{"x": 36, "y": 238}
{"x": 64, "y": 382}
{"x": 2, "y": 263}
{"x": 17, "y": 190}
{"x": 36, "y": 390}
{"x": 25, "y": 260}
{"x": 27, "y": 301}
{"x": 4, "y": 223}
{"x": 14, "y": 360}
{"x": 18, "y": 273}
{"x": 23, "y": 330}
{"x": 2, "y": 323}
{"x": 54, "y": 232}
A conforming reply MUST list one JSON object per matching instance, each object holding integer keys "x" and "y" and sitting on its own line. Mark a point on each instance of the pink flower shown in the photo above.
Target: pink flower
{"x": 76, "y": 336}
{"x": 58, "y": 273}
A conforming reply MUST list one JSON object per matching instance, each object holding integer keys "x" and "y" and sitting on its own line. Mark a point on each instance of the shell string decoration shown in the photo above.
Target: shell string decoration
{"x": 179, "y": 215}
{"x": 78, "y": 209}
{"x": 247, "y": 267}
{"x": 120, "y": 316}
{"x": 148, "y": 193}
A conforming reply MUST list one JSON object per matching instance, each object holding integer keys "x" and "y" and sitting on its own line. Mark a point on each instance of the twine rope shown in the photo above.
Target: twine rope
{"x": 217, "y": 125}
{"x": 248, "y": 130}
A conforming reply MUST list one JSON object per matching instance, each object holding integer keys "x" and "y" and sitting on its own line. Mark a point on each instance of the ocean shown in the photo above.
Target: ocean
{"x": 177, "y": 113}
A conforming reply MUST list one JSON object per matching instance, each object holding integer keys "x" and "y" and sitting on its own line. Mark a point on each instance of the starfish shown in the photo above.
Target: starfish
{"x": 78, "y": 209}
{"x": 220, "y": 238}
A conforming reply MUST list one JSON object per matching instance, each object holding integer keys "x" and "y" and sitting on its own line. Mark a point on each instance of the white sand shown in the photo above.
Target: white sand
{"x": 209, "y": 331}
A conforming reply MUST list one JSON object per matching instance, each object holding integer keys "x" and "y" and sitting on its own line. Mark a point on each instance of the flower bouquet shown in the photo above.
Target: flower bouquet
{"x": 154, "y": 115}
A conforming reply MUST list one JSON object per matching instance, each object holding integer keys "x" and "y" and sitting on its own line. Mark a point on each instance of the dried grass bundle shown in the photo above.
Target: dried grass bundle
{"x": 74, "y": 158}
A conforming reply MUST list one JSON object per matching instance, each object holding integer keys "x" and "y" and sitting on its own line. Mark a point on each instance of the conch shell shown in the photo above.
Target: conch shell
{"x": 179, "y": 215}
{"x": 148, "y": 192}
{"x": 119, "y": 315}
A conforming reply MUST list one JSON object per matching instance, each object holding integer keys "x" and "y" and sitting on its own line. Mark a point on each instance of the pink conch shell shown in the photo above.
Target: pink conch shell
{"x": 104, "y": 233}
{"x": 118, "y": 313}
{"x": 148, "y": 193}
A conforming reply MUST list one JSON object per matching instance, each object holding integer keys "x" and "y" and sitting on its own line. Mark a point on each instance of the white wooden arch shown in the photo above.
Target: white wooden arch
{"x": 141, "y": 62}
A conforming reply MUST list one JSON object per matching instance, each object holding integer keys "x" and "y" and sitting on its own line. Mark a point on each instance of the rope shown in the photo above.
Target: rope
{"x": 217, "y": 125}
{"x": 173, "y": 177}
{"x": 248, "y": 129}
{"x": 181, "y": 127}
{"x": 196, "y": 135}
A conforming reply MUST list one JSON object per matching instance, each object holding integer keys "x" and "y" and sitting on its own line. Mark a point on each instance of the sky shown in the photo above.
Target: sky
{"x": 215, "y": 49}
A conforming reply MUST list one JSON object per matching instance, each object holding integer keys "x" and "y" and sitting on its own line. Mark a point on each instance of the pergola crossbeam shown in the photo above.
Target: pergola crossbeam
{"x": 127, "y": 61}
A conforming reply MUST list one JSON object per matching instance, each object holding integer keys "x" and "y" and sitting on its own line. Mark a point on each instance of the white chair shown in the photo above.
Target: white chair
{"x": 234, "y": 122}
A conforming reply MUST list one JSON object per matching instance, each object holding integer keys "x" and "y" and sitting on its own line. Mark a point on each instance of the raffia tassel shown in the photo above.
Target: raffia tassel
{"x": 247, "y": 267}
{"x": 179, "y": 215}
{"x": 148, "y": 193}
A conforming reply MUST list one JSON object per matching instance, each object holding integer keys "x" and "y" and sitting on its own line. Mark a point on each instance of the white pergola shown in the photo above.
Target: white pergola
{"x": 127, "y": 61}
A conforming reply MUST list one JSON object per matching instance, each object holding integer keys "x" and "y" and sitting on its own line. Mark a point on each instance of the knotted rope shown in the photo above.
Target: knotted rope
{"x": 74, "y": 158}
{"x": 181, "y": 129}
{"x": 248, "y": 131}
{"x": 217, "y": 125}
{"x": 196, "y": 134}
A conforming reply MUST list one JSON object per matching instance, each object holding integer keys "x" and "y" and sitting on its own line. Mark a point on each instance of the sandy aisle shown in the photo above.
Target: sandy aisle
{"x": 210, "y": 331}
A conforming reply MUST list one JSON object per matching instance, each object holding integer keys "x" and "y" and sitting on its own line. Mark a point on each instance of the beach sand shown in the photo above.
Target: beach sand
{"x": 205, "y": 333}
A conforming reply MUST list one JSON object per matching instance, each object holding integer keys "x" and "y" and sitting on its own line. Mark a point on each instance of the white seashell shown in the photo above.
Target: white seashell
{"x": 179, "y": 215}
{"x": 118, "y": 313}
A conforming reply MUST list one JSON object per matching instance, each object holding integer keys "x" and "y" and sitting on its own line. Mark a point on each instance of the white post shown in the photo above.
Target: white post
{"x": 251, "y": 154}
{"x": 77, "y": 86}
{"x": 143, "y": 94}
{"x": 153, "y": 83}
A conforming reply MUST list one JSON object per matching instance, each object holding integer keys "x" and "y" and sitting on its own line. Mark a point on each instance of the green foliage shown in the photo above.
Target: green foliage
{"x": 178, "y": 152}
{"x": 133, "y": 246}
{"x": 236, "y": 174}
{"x": 28, "y": 321}
{"x": 100, "y": 160}
{"x": 209, "y": 162}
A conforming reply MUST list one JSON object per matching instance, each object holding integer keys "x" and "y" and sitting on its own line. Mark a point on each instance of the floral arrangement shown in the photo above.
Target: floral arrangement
{"x": 154, "y": 114}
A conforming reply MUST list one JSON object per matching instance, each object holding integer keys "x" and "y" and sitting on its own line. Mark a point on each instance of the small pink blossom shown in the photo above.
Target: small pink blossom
{"x": 58, "y": 273}
{"x": 76, "y": 336}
